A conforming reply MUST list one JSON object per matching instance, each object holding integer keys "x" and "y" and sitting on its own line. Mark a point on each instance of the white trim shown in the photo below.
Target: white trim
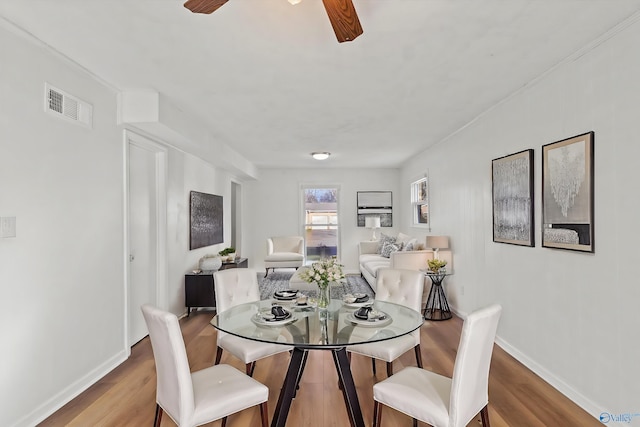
{"x": 578, "y": 398}
{"x": 69, "y": 393}
{"x": 161, "y": 155}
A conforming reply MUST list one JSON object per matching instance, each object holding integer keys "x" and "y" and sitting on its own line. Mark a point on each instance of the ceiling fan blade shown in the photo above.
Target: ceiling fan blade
{"x": 344, "y": 19}
{"x": 204, "y": 6}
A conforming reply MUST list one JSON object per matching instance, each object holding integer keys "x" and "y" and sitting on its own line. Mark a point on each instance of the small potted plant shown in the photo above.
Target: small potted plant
{"x": 228, "y": 254}
{"x": 437, "y": 265}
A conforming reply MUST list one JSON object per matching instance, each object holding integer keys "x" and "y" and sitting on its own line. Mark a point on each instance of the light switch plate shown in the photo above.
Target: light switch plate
{"x": 8, "y": 226}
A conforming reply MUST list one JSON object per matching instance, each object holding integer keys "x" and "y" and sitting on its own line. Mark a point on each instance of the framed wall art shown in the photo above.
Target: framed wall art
{"x": 567, "y": 193}
{"x": 512, "y": 191}
{"x": 206, "y": 225}
{"x": 375, "y": 203}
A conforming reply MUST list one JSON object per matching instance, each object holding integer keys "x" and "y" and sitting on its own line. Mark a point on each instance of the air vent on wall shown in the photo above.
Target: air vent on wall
{"x": 65, "y": 106}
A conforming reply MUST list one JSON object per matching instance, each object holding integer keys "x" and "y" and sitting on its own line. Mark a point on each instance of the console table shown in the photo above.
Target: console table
{"x": 199, "y": 289}
{"x": 437, "y": 307}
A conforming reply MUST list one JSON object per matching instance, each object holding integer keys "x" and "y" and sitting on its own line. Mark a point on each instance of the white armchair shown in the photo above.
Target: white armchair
{"x": 284, "y": 252}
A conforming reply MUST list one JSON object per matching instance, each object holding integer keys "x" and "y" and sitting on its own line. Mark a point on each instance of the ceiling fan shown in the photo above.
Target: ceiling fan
{"x": 342, "y": 15}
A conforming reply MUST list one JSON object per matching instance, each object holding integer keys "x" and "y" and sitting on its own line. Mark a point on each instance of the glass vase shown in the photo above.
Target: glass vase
{"x": 323, "y": 297}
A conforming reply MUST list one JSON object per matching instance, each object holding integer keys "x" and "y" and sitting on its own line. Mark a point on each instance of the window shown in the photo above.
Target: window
{"x": 420, "y": 202}
{"x": 320, "y": 213}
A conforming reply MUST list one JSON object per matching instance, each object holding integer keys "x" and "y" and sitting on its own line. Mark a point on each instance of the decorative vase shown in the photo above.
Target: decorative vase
{"x": 323, "y": 296}
{"x": 211, "y": 263}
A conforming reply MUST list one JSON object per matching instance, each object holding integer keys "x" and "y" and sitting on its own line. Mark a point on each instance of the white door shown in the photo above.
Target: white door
{"x": 143, "y": 236}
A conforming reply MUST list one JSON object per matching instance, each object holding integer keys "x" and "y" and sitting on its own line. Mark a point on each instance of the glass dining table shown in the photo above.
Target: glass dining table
{"x": 309, "y": 328}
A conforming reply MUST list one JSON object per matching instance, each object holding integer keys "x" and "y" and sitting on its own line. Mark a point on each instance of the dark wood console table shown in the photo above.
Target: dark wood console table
{"x": 199, "y": 289}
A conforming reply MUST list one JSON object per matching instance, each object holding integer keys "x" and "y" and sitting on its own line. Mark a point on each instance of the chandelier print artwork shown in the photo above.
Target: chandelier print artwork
{"x": 566, "y": 174}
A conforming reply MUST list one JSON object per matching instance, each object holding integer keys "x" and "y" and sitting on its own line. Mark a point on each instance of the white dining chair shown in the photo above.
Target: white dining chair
{"x": 401, "y": 287}
{"x": 193, "y": 399}
{"x": 232, "y": 287}
{"x": 442, "y": 401}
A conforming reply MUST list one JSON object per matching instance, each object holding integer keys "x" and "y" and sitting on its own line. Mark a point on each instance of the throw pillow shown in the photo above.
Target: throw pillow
{"x": 410, "y": 245}
{"x": 384, "y": 239}
{"x": 403, "y": 238}
{"x": 388, "y": 248}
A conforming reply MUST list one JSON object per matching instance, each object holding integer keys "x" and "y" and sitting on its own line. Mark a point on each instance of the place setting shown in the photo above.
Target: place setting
{"x": 276, "y": 315}
{"x": 369, "y": 317}
{"x": 285, "y": 295}
{"x": 357, "y": 300}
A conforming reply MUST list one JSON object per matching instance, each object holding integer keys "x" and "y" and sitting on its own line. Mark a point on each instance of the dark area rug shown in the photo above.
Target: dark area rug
{"x": 277, "y": 281}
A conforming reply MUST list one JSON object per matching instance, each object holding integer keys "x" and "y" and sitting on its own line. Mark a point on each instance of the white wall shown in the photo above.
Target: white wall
{"x": 275, "y": 209}
{"x": 188, "y": 173}
{"x": 570, "y": 316}
{"x": 61, "y": 278}
{"x": 62, "y": 283}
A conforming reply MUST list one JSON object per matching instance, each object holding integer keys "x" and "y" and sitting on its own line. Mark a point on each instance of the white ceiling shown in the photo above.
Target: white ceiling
{"x": 270, "y": 80}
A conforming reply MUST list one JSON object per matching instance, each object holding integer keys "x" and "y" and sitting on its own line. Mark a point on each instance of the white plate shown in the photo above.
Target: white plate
{"x": 285, "y": 295}
{"x": 295, "y": 305}
{"x": 358, "y": 304}
{"x": 369, "y": 323}
{"x": 259, "y": 320}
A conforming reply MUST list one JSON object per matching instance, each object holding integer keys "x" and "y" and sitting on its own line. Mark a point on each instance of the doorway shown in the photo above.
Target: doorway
{"x": 236, "y": 216}
{"x": 321, "y": 225}
{"x": 146, "y": 229}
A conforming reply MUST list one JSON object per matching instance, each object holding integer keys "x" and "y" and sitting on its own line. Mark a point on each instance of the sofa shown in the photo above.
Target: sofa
{"x": 390, "y": 252}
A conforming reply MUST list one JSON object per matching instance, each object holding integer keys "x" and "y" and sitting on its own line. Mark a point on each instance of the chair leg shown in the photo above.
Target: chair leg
{"x": 218, "y": 356}
{"x": 484, "y": 415}
{"x": 250, "y": 367}
{"x": 418, "y": 356}
{"x": 158, "y": 418}
{"x": 224, "y": 421}
{"x": 373, "y": 365}
{"x": 377, "y": 413}
{"x": 264, "y": 414}
{"x": 266, "y": 272}
{"x": 389, "y": 369}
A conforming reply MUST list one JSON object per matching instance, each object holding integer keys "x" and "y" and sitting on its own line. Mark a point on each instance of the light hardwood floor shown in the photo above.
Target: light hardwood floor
{"x": 126, "y": 396}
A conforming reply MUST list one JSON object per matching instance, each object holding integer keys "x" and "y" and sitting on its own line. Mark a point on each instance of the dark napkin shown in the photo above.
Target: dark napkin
{"x": 279, "y": 312}
{"x": 362, "y": 299}
{"x": 362, "y": 313}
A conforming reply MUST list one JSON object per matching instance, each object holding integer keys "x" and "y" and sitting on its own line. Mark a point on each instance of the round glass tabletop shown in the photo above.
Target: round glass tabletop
{"x": 313, "y": 328}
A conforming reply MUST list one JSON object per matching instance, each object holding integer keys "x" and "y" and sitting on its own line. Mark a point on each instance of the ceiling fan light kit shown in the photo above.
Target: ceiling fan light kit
{"x": 342, "y": 15}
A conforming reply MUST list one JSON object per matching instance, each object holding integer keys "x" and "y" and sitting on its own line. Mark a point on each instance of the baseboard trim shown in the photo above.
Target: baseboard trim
{"x": 43, "y": 411}
{"x": 578, "y": 398}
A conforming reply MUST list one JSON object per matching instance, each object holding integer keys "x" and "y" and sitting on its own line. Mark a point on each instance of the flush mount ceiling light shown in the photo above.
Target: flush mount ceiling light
{"x": 320, "y": 155}
{"x": 294, "y": 1}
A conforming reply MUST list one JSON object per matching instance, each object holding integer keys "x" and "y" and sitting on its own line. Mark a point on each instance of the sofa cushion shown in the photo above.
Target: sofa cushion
{"x": 284, "y": 256}
{"x": 409, "y": 245}
{"x": 367, "y": 258}
{"x": 373, "y": 266}
{"x": 403, "y": 239}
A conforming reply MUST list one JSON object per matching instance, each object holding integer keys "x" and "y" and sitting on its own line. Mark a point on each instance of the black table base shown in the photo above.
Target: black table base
{"x": 437, "y": 307}
{"x": 294, "y": 373}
